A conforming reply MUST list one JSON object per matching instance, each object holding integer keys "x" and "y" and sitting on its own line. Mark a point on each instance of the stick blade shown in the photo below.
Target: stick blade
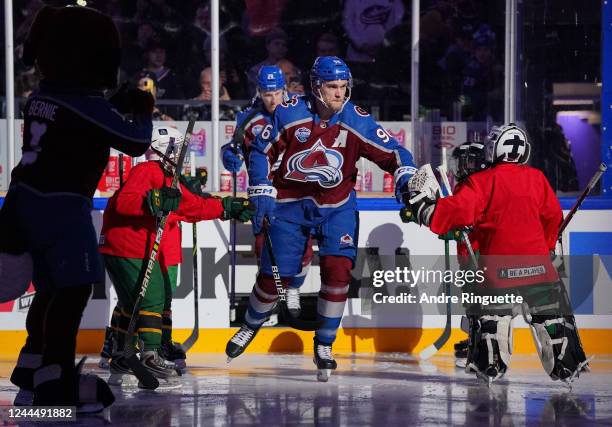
{"x": 428, "y": 352}
{"x": 145, "y": 377}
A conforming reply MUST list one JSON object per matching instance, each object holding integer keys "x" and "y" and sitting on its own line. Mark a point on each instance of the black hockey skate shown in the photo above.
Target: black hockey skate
{"x": 164, "y": 370}
{"x": 108, "y": 348}
{"x": 324, "y": 360}
{"x": 293, "y": 301}
{"x": 120, "y": 372}
{"x": 173, "y": 352}
{"x": 240, "y": 341}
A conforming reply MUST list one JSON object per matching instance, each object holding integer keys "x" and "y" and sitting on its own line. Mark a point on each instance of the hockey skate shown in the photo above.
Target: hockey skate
{"x": 109, "y": 347}
{"x": 165, "y": 371}
{"x": 120, "y": 372}
{"x": 324, "y": 360}
{"x": 293, "y": 301}
{"x": 239, "y": 342}
{"x": 173, "y": 352}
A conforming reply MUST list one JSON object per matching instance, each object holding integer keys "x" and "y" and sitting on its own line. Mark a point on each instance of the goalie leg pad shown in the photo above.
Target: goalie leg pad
{"x": 548, "y": 312}
{"x": 490, "y": 346}
{"x": 559, "y": 348}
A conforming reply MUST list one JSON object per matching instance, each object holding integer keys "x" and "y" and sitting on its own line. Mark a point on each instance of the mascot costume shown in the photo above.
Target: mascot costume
{"x": 46, "y": 232}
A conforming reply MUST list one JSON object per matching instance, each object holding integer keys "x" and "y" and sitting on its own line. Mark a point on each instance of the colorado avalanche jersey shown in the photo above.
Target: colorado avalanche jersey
{"x": 67, "y": 139}
{"x": 319, "y": 157}
{"x": 253, "y": 119}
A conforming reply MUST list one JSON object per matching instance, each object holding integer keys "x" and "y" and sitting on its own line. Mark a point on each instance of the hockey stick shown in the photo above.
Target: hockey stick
{"x": 294, "y": 322}
{"x": 429, "y": 351}
{"x": 437, "y": 345}
{"x": 195, "y": 332}
{"x": 237, "y": 139}
{"x": 585, "y": 193}
{"x": 146, "y": 378}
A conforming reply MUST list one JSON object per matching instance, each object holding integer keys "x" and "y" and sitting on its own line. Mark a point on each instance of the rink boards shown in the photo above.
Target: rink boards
{"x": 365, "y": 328}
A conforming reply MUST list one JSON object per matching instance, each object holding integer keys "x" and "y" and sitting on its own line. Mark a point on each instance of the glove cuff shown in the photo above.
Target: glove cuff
{"x": 403, "y": 170}
{"x": 261, "y": 190}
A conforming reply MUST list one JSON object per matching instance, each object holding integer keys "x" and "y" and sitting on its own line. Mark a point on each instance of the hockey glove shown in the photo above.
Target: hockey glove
{"x": 194, "y": 184}
{"x": 133, "y": 101}
{"x": 237, "y": 208}
{"x": 422, "y": 210}
{"x": 263, "y": 198}
{"x": 402, "y": 176}
{"x": 164, "y": 200}
{"x": 233, "y": 157}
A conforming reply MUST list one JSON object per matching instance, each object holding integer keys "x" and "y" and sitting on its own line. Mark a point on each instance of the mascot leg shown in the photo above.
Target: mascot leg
{"x": 58, "y": 381}
{"x": 30, "y": 357}
{"x": 549, "y": 314}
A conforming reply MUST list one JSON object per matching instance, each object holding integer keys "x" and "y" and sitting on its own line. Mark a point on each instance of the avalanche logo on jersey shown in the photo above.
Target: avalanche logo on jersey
{"x": 316, "y": 164}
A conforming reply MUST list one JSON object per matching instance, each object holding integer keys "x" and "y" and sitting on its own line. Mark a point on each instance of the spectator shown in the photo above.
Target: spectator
{"x": 168, "y": 85}
{"x": 263, "y": 16}
{"x": 292, "y": 77}
{"x": 327, "y": 45}
{"x": 457, "y": 57}
{"x": 234, "y": 79}
{"x": 148, "y": 84}
{"x": 482, "y": 87}
{"x": 276, "y": 46}
{"x": 206, "y": 86}
{"x": 134, "y": 51}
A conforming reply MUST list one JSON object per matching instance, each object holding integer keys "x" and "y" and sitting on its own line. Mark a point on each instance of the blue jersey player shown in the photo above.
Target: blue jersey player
{"x": 271, "y": 92}
{"x": 321, "y": 138}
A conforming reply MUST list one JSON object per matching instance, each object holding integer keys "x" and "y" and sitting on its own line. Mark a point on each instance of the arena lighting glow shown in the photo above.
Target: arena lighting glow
{"x": 81, "y": 3}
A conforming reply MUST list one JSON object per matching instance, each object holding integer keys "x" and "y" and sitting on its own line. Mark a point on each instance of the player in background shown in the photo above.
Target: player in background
{"x": 466, "y": 159}
{"x": 128, "y": 231}
{"x": 322, "y": 137}
{"x": 271, "y": 92}
{"x": 69, "y": 129}
{"x": 515, "y": 217}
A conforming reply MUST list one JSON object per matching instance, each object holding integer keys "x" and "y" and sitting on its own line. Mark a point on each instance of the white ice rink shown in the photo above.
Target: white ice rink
{"x": 382, "y": 390}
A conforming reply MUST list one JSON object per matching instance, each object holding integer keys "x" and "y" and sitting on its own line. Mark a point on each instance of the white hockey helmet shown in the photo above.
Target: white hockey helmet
{"x": 507, "y": 143}
{"x": 166, "y": 143}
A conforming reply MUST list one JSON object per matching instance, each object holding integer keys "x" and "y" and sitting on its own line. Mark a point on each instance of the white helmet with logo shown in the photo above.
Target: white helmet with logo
{"x": 166, "y": 143}
{"x": 508, "y": 144}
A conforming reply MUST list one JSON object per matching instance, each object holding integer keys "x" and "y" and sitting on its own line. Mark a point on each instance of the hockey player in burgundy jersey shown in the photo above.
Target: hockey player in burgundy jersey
{"x": 271, "y": 92}
{"x": 69, "y": 129}
{"x": 321, "y": 138}
{"x": 515, "y": 217}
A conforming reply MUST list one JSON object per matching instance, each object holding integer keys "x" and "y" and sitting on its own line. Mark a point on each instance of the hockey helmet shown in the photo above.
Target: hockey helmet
{"x": 326, "y": 69}
{"x": 459, "y": 161}
{"x": 476, "y": 158}
{"x": 166, "y": 143}
{"x": 507, "y": 144}
{"x": 269, "y": 78}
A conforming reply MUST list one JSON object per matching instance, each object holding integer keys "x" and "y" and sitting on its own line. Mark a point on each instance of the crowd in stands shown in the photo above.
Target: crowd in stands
{"x": 166, "y": 44}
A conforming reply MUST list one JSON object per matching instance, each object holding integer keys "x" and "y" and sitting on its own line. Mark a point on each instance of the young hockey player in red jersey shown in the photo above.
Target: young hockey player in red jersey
{"x": 321, "y": 138}
{"x": 69, "y": 129}
{"x": 515, "y": 217}
{"x": 128, "y": 232}
{"x": 271, "y": 92}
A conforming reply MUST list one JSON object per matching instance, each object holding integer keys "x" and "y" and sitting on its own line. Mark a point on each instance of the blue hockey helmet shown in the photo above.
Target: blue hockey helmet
{"x": 270, "y": 77}
{"x": 328, "y": 68}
